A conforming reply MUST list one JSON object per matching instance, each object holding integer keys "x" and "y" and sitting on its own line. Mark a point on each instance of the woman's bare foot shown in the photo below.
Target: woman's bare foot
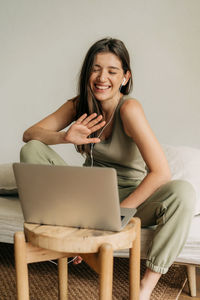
{"x": 148, "y": 284}
{"x": 144, "y": 293}
{"x": 77, "y": 260}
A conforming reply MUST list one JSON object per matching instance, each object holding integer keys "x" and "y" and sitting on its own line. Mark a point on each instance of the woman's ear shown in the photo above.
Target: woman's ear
{"x": 127, "y": 76}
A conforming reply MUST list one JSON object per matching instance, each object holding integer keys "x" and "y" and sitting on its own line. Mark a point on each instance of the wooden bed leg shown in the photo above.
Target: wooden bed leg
{"x": 21, "y": 266}
{"x": 191, "y": 273}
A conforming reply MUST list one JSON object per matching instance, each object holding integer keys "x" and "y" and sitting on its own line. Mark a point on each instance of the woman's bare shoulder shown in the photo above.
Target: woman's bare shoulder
{"x": 68, "y": 108}
{"x": 130, "y": 105}
{"x": 71, "y": 103}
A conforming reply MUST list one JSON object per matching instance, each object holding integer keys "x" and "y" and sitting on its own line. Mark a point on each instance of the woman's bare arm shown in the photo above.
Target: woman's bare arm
{"x": 50, "y": 129}
{"x": 137, "y": 127}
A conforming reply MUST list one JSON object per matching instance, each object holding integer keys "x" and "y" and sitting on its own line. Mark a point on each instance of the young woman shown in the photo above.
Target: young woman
{"x": 111, "y": 131}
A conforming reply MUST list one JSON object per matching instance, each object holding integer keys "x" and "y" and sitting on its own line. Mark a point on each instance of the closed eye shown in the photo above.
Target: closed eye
{"x": 95, "y": 70}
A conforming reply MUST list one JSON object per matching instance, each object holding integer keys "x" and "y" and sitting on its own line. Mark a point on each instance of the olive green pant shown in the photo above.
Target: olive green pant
{"x": 170, "y": 209}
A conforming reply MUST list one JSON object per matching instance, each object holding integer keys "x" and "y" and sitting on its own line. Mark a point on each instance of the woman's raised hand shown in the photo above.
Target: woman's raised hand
{"x": 79, "y": 131}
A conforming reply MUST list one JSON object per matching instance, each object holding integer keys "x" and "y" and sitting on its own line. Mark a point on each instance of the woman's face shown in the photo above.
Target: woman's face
{"x": 106, "y": 76}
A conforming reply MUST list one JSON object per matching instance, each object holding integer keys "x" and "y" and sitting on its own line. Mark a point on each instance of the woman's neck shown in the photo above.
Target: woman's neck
{"x": 108, "y": 107}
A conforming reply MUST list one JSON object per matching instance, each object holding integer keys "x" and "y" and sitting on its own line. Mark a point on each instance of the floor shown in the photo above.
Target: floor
{"x": 185, "y": 294}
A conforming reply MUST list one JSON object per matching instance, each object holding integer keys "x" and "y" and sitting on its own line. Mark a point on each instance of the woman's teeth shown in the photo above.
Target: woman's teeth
{"x": 100, "y": 87}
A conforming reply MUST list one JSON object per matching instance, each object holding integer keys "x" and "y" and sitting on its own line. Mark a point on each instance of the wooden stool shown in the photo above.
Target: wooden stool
{"x": 94, "y": 246}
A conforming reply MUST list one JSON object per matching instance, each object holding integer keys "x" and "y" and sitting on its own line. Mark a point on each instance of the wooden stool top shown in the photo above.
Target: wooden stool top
{"x": 75, "y": 240}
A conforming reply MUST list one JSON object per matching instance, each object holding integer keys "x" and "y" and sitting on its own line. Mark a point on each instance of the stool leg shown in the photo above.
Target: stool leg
{"x": 106, "y": 272}
{"x": 21, "y": 266}
{"x": 191, "y": 273}
{"x": 134, "y": 264}
{"x": 63, "y": 278}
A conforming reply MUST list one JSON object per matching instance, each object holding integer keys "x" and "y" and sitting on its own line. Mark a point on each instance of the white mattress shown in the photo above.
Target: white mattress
{"x": 191, "y": 251}
{"x": 11, "y": 220}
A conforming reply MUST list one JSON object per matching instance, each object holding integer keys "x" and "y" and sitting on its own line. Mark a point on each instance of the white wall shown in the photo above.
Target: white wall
{"x": 43, "y": 43}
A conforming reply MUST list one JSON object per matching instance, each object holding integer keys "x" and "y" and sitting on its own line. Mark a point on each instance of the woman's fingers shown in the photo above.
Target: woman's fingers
{"x": 94, "y": 121}
{"x": 80, "y": 120}
{"x": 79, "y": 133}
{"x": 93, "y": 141}
{"x": 89, "y": 121}
{"x": 98, "y": 126}
{"x": 84, "y": 120}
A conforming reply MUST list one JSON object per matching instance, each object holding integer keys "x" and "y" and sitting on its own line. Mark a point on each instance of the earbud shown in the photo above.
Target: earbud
{"x": 124, "y": 80}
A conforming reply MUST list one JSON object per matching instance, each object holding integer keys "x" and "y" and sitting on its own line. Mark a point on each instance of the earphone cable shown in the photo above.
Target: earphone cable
{"x": 92, "y": 144}
{"x": 53, "y": 262}
{"x": 91, "y": 155}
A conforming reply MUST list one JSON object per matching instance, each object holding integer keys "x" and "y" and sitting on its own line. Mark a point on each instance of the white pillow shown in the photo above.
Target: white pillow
{"x": 184, "y": 163}
{"x": 7, "y": 180}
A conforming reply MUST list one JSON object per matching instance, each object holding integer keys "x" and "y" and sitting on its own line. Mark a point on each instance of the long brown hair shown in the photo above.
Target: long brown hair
{"x": 86, "y": 102}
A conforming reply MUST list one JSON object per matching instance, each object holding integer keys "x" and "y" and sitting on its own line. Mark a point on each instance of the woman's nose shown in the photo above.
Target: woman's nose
{"x": 102, "y": 76}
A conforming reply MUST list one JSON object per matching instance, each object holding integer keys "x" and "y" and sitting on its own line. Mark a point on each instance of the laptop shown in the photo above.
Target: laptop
{"x": 72, "y": 196}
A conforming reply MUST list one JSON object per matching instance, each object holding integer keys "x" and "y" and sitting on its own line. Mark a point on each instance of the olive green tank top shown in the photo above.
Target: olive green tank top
{"x": 119, "y": 151}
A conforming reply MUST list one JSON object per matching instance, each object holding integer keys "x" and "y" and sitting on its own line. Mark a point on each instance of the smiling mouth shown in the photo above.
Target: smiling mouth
{"x": 102, "y": 87}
